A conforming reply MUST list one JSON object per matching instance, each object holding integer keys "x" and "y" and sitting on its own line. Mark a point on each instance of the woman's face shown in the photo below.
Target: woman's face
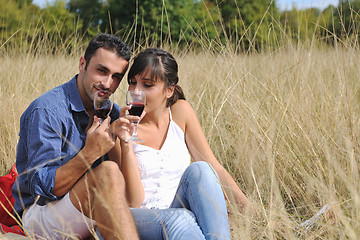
{"x": 155, "y": 91}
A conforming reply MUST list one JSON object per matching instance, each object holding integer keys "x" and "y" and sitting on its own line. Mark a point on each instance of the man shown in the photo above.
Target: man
{"x": 63, "y": 187}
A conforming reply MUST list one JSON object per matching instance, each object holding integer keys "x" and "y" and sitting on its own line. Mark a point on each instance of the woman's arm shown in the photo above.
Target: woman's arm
{"x": 129, "y": 168}
{"x": 184, "y": 115}
{"x": 124, "y": 156}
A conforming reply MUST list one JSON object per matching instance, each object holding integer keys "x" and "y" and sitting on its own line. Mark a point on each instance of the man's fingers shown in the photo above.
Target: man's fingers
{"x": 105, "y": 124}
{"x": 94, "y": 125}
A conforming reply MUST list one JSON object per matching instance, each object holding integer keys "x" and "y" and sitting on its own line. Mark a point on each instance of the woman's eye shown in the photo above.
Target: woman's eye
{"x": 132, "y": 83}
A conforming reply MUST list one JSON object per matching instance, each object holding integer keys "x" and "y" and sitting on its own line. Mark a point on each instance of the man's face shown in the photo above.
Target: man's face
{"x": 104, "y": 72}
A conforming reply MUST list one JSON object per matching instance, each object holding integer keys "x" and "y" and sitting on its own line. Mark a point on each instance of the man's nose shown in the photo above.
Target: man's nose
{"x": 107, "y": 82}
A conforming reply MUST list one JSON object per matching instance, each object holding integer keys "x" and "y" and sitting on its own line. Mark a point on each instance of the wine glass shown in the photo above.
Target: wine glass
{"x": 103, "y": 103}
{"x": 136, "y": 99}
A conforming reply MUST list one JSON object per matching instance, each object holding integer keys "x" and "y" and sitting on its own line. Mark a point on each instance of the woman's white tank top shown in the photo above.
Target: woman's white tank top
{"x": 162, "y": 169}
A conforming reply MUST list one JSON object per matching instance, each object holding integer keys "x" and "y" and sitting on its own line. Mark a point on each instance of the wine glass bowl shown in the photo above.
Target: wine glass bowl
{"x": 136, "y": 109}
{"x": 103, "y": 104}
{"x": 136, "y": 100}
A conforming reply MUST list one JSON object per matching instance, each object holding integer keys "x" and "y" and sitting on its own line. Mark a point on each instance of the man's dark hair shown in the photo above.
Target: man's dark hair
{"x": 108, "y": 42}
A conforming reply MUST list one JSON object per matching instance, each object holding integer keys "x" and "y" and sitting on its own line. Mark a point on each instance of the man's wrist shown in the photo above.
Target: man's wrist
{"x": 87, "y": 158}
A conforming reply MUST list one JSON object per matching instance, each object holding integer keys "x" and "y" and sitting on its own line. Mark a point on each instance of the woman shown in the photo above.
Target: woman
{"x": 170, "y": 131}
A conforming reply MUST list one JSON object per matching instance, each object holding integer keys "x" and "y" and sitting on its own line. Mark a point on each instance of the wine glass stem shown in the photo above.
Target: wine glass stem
{"x": 134, "y": 134}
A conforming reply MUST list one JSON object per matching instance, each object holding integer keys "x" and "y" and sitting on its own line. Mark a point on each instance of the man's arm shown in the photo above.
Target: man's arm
{"x": 99, "y": 141}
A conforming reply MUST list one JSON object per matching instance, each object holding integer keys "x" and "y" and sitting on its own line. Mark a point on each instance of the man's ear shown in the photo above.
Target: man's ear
{"x": 82, "y": 64}
{"x": 170, "y": 91}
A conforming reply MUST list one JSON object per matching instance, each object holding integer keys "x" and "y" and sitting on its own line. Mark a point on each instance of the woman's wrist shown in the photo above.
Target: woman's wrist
{"x": 125, "y": 145}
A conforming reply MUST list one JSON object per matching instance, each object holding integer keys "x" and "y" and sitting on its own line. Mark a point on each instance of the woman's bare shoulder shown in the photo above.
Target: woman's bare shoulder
{"x": 182, "y": 107}
{"x": 181, "y": 111}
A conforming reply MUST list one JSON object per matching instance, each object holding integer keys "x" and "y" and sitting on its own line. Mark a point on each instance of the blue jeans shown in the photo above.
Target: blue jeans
{"x": 198, "y": 210}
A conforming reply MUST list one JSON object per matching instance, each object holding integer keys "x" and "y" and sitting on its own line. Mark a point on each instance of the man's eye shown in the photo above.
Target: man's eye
{"x": 101, "y": 70}
{"x": 117, "y": 78}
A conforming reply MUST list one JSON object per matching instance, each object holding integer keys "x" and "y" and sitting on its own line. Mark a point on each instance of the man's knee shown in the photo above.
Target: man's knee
{"x": 107, "y": 174}
{"x": 105, "y": 178}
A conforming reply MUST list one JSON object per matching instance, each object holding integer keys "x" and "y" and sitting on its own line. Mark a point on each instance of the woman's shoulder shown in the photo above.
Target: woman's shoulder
{"x": 181, "y": 107}
{"x": 181, "y": 111}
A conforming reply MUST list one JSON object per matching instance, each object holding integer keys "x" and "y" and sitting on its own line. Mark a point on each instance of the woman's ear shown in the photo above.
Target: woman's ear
{"x": 170, "y": 91}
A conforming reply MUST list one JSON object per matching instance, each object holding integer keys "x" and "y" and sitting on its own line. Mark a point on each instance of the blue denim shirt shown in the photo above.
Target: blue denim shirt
{"x": 52, "y": 131}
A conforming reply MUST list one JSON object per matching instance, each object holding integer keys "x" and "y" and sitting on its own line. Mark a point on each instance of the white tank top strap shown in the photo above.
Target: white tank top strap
{"x": 170, "y": 114}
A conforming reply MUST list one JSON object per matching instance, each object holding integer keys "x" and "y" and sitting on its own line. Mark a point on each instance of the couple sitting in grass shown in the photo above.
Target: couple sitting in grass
{"x": 77, "y": 175}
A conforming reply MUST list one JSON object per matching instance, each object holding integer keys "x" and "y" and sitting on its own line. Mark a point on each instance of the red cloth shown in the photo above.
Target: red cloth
{"x": 6, "y": 198}
{"x": 7, "y": 221}
{"x": 11, "y": 229}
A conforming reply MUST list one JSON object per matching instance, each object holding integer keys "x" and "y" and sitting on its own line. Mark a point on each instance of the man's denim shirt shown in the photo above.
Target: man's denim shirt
{"x": 52, "y": 131}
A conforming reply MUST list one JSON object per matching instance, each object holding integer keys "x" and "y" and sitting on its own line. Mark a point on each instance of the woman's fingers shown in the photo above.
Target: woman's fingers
{"x": 123, "y": 110}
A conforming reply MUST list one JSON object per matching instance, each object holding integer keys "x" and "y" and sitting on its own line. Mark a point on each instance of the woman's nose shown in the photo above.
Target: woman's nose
{"x": 138, "y": 87}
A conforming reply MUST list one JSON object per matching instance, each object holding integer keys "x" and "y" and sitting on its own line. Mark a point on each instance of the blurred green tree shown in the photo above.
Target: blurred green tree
{"x": 347, "y": 19}
{"x": 14, "y": 14}
{"x": 90, "y": 12}
{"x": 302, "y": 25}
{"x": 247, "y": 22}
{"x": 243, "y": 25}
{"x": 26, "y": 26}
{"x": 60, "y": 24}
{"x": 152, "y": 21}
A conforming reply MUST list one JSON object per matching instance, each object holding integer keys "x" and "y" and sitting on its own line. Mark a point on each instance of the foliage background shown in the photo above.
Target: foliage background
{"x": 276, "y": 93}
{"x": 246, "y": 25}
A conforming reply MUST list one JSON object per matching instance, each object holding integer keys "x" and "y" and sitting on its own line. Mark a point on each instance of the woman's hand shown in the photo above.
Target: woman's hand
{"x": 122, "y": 127}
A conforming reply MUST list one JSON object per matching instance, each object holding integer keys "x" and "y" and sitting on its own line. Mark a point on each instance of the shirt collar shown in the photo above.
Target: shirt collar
{"x": 74, "y": 96}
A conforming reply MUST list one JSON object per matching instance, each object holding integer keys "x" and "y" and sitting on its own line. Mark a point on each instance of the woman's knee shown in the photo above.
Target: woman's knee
{"x": 201, "y": 171}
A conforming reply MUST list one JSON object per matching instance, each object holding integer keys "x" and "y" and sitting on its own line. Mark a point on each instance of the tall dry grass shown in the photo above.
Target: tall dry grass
{"x": 285, "y": 123}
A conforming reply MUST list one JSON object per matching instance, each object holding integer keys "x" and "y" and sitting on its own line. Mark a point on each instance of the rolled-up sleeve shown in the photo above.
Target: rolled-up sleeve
{"x": 44, "y": 142}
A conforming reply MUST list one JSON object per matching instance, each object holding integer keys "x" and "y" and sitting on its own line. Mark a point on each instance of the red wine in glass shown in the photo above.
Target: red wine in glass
{"x": 136, "y": 99}
{"x": 102, "y": 113}
{"x": 136, "y": 109}
{"x": 103, "y": 104}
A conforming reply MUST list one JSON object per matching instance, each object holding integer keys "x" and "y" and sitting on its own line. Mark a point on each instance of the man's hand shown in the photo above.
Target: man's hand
{"x": 99, "y": 140}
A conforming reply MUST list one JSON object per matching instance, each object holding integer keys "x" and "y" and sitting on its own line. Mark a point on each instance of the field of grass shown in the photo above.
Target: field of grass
{"x": 285, "y": 123}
